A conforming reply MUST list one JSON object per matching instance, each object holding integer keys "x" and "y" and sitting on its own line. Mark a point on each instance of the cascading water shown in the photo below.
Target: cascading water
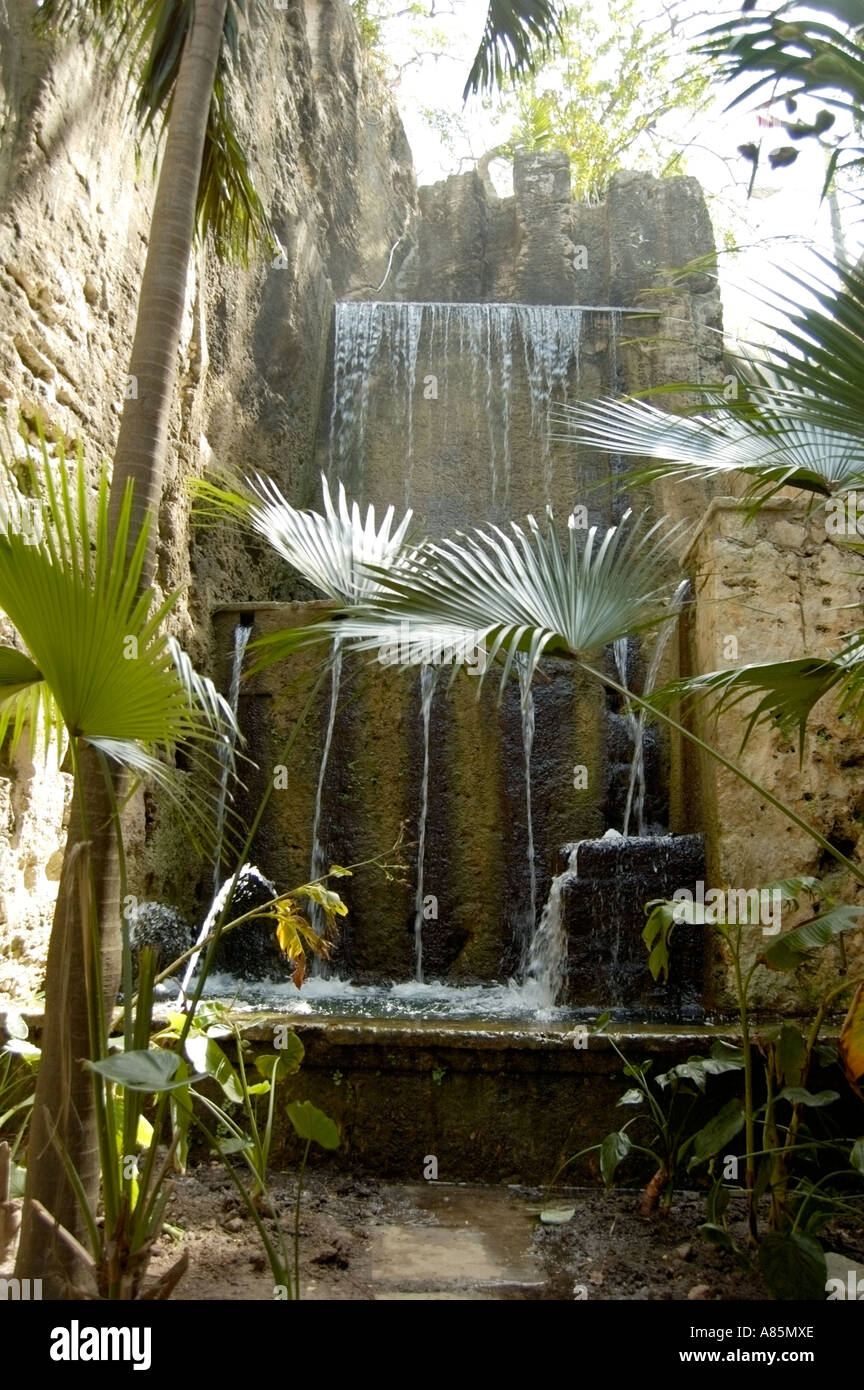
{"x": 318, "y": 864}
{"x": 428, "y": 682}
{"x": 547, "y": 955}
{"x": 242, "y": 633}
{"x": 376, "y": 338}
{"x": 485, "y": 453}
{"x": 526, "y": 704}
{"x": 226, "y": 749}
{"x": 636, "y": 787}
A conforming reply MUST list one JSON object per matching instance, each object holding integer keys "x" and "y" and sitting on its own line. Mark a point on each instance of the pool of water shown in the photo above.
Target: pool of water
{"x": 433, "y": 1001}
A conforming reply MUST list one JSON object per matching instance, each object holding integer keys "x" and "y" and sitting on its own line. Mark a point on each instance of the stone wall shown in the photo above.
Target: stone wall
{"x": 334, "y": 170}
{"x": 775, "y": 588}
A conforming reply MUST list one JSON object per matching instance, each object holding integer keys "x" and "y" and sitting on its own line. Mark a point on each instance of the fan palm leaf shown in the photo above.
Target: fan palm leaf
{"x": 97, "y": 665}
{"x": 526, "y": 592}
{"x": 336, "y": 551}
{"x": 775, "y": 444}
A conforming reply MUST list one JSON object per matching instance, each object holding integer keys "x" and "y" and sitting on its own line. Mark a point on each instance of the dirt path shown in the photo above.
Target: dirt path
{"x": 368, "y": 1239}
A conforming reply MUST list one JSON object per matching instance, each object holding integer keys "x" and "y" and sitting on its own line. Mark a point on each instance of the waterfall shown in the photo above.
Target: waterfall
{"x": 428, "y": 681}
{"x": 636, "y": 788}
{"x": 621, "y": 655}
{"x": 384, "y": 339}
{"x": 242, "y": 633}
{"x": 526, "y": 704}
{"x": 241, "y": 639}
{"x": 318, "y": 864}
{"x": 547, "y": 954}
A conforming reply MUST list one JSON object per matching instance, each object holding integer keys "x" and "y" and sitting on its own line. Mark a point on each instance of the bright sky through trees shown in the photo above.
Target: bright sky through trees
{"x": 777, "y": 223}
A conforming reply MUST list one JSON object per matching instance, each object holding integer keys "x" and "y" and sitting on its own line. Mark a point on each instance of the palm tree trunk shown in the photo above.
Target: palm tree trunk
{"x": 142, "y": 442}
{"x": 64, "y": 1104}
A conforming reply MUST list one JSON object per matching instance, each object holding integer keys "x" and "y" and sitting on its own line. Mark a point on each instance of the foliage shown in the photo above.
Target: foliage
{"x": 516, "y": 34}
{"x": 787, "y": 53}
{"x": 335, "y": 550}
{"x": 670, "y": 1105}
{"x": 99, "y": 667}
{"x": 250, "y": 1133}
{"x": 603, "y": 97}
{"x": 783, "y": 1148}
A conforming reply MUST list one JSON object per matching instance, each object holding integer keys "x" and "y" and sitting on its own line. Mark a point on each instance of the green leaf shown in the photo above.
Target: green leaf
{"x": 632, "y": 1097}
{"x": 557, "y": 1216}
{"x": 793, "y": 1266}
{"x": 275, "y": 1065}
{"x": 856, "y": 1155}
{"x": 786, "y": 952}
{"x": 22, "y": 1047}
{"x": 718, "y": 1132}
{"x": 791, "y": 1054}
{"x": 614, "y": 1149}
{"x": 234, "y": 1145}
{"x": 311, "y": 1123}
{"x": 150, "y": 1070}
{"x": 17, "y": 671}
{"x": 698, "y": 1069}
{"x": 716, "y": 1235}
{"x": 208, "y": 1059}
{"x": 799, "y": 1095}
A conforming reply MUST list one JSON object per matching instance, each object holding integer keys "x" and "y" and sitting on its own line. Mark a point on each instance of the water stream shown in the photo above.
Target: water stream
{"x": 635, "y": 806}
{"x": 526, "y": 705}
{"x": 545, "y": 975}
{"x": 375, "y": 341}
{"x": 318, "y": 864}
{"x": 242, "y": 633}
{"x": 428, "y": 681}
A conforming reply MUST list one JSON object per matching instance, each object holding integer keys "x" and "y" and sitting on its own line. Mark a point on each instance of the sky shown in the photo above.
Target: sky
{"x": 779, "y": 224}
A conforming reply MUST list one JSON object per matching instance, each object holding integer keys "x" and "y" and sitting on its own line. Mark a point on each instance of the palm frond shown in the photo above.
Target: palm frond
{"x": 525, "y": 594}
{"x": 785, "y": 692}
{"x": 335, "y": 550}
{"x": 96, "y": 659}
{"x": 146, "y": 39}
{"x": 774, "y": 444}
{"x": 518, "y": 33}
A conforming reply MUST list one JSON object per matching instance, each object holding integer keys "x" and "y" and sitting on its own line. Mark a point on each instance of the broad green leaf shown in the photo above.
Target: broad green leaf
{"x": 16, "y": 1025}
{"x": 718, "y": 1132}
{"x": 275, "y": 1065}
{"x": 856, "y": 1155}
{"x": 234, "y": 1145}
{"x": 208, "y": 1059}
{"x": 787, "y": 951}
{"x": 21, "y": 1047}
{"x": 311, "y": 1123}
{"x": 791, "y": 1054}
{"x": 557, "y": 1216}
{"x": 17, "y": 671}
{"x": 614, "y": 1149}
{"x": 139, "y": 1071}
{"x": 632, "y": 1097}
{"x": 716, "y": 1235}
{"x": 698, "y": 1069}
{"x": 799, "y": 1095}
{"x": 793, "y": 1266}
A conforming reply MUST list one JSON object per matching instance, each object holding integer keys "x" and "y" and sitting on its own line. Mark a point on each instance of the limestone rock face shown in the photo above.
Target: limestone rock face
{"x": 333, "y": 168}
{"x": 776, "y": 588}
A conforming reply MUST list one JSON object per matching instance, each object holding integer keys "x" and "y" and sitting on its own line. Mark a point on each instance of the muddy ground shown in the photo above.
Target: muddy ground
{"x": 372, "y": 1239}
